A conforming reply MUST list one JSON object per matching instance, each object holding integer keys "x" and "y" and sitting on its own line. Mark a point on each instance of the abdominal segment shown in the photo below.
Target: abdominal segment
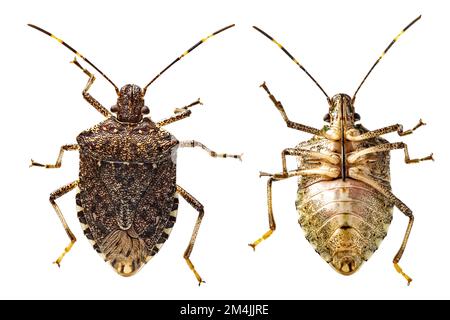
{"x": 345, "y": 221}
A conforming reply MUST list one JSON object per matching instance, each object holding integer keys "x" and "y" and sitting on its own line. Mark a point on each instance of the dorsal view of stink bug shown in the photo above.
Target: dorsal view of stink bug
{"x": 127, "y": 196}
{"x": 344, "y": 197}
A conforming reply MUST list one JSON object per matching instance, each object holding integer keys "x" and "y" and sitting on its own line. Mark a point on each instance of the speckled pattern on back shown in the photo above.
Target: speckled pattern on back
{"x": 127, "y": 198}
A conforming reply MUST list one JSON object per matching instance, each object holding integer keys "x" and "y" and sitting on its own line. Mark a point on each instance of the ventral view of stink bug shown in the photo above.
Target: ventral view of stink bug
{"x": 344, "y": 197}
{"x": 127, "y": 196}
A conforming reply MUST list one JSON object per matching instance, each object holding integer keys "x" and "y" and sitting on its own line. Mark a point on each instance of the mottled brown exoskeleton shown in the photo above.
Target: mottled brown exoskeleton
{"x": 127, "y": 196}
{"x": 344, "y": 197}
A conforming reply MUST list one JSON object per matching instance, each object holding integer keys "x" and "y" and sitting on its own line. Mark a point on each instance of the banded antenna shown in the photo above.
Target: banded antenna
{"x": 293, "y": 59}
{"x": 384, "y": 52}
{"x": 74, "y": 51}
{"x": 183, "y": 55}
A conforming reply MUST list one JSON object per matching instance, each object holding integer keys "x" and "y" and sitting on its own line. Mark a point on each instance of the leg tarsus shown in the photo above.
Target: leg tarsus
{"x": 404, "y": 133}
{"x": 36, "y": 164}
{"x": 399, "y": 270}
{"x": 264, "y": 174}
{"x": 183, "y": 109}
{"x": 66, "y": 250}
{"x": 180, "y": 114}
{"x": 264, "y": 237}
{"x": 197, "y": 276}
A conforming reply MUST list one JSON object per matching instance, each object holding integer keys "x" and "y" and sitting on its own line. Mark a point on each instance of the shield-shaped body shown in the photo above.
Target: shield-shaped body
{"x": 345, "y": 221}
{"x": 127, "y": 201}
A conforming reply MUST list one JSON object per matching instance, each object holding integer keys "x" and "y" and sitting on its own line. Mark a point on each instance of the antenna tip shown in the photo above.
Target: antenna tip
{"x": 226, "y": 28}
{"x": 259, "y": 30}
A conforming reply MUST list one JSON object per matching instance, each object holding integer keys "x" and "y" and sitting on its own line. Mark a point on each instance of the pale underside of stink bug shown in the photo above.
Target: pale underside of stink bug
{"x": 127, "y": 196}
{"x": 344, "y": 197}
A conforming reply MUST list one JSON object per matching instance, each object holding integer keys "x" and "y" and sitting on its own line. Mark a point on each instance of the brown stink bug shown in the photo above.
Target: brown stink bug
{"x": 127, "y": 196}
{"x": 344, "y": 197}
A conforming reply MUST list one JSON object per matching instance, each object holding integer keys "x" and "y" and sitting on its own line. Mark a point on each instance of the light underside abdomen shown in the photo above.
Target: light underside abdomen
{"x": 343, "y": 218}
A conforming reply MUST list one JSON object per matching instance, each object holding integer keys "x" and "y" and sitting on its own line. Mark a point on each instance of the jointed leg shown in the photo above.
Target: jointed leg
{"x": 193, "y": 144}
{"x": 92, "y": 101}
{"x": 289, "y": 123}
{"x": 329, "y": 172}
{"x": 382, "y": 131}
{"x": 180, "y": 113}
{"x": 354, "y": 157}
{"x": 330, "y": 158}
{"x": 272, "y": 225}
{"x": 53, "y": 196}
{"x": 361, "y": 175}
{"x": 66, "y": 147}
{"x": 199, "y": 207}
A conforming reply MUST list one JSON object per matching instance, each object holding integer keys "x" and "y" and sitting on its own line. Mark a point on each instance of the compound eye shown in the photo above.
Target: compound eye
{"x": 114, "y": 108}
{"x": 145, "y": 110}
{"x": 357, "y": 117}
{"x": 326, "y": 118}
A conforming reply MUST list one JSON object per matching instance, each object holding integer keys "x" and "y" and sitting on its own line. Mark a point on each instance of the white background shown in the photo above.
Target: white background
{"x": 131, "y": 41}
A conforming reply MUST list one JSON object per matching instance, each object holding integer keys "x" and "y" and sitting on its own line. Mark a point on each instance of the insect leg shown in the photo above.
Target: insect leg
{"x": 289, "y": 123}
{"x": 180, "y": 113}
{"x": 328, "y": 172}
{"x": 272, "y": 225}
{"x": 354, "y": 157}
{"x": 330, "y": 158}
{"x": 92, "y": 101}
{"x": 361, "y": 174}
{"x": 382, "y": 131}
{"x": 66, "y": 147}
{"x": 53, "y": 196}
{"x": 199, "y": 207}
{"x": 193, "y": 144}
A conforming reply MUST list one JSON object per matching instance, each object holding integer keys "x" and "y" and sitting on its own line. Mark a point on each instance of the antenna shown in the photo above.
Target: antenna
{"x": 74, "y": 51}
{"x": 384, "y": 52}
{"x": 293, "y": 59}
{"x": 184, "y": 54}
